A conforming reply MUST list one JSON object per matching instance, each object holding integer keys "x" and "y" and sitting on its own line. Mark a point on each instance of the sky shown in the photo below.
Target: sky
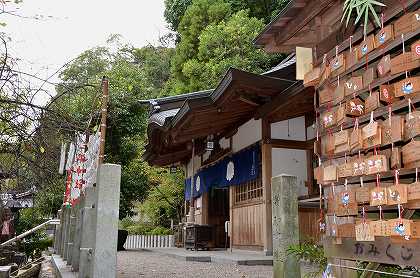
{"x": 68, "y": 27}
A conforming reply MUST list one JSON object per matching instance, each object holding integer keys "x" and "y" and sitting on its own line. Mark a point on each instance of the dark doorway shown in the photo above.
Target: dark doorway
{"x": 218, "y": 215}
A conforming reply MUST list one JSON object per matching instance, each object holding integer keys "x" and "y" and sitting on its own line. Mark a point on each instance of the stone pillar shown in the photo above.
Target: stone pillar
{"x": 57, "y": 234}
{"x": 87, "y": 241}
{"x": 285, "y": 225}
{"x": 66, "y": 228}
{"x": 106, "y": 232}
{"x": 72, "y": 231}
{"x": 77, "y": 235}
{"x": 266, "y": 171}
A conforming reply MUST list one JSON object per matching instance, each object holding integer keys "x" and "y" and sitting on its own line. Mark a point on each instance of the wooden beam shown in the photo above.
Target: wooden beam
{"x": 291, "y": 144}
{"x": 247, "y": 100}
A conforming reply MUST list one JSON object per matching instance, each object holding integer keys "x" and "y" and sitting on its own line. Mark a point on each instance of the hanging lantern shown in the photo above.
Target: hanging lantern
{"x": 173, "y": 169}
{"x": 210, "y": 143}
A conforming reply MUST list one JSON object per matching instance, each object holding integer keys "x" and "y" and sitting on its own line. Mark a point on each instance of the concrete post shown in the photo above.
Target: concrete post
{"x": 57, "y": 234}
{"x": 107, "y": 210}
{"x": 66, "y": 228}
{"x": 285, "y": 225}
{"x": 77, "y": 235}
{"x": 72, "y": 231}
{"x": 88, "y": 223}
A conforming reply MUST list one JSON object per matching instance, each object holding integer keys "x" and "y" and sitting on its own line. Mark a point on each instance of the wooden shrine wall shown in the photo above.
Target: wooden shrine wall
{"x": 247, "y": 226}
{"x": 368, "y": 122}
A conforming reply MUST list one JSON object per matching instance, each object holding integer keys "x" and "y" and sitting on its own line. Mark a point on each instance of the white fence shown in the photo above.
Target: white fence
{"x": 149, "y": 241}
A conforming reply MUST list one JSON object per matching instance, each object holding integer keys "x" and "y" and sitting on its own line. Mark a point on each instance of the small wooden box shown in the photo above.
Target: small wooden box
{"x": 337, "y": 65}
{"x": 366, "y": 46}
{"x": 379, "y": 228}
{"x": 346, "y": 230}
{"x": 412, "y": 125}
{"x": 411, "y": 155}
{"x": 384, "y": 36}
{"x": 404, "y": 62}
{"x": 384, "y": 66}
{"x": 355, "y": 107}
{"x": 399, "y": 227}
{"x": 351, "y": 58}
{"x": 353, "y": 85}
{"x": 372, "y": 102}
{"x": 368, "y": 76}
{"x": 364, "y": 232}
{"x": 407, "y": 23}
{"x": 397, "y": 194}
{"x": 378, "y": 196}
{"x": 386, "y": 93}
{"x": 407, "y": 86}
{"x": 312, "y": 78}
{"x": 376, "y": 164}
{"x": 392, "y": 130}
{"x": 326, "y": 95}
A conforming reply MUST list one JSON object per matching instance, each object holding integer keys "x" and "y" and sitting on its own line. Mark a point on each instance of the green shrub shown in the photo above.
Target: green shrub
{"x": 311, "y": 252}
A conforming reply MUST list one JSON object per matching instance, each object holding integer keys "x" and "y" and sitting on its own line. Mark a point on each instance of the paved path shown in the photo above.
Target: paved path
{"x": 155, "y": 265}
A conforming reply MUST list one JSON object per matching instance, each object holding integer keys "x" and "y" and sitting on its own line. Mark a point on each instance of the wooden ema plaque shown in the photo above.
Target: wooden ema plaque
{"x": 399, "y": 227}
{"x": 376, "y": 164}
{"x": 351, "y": 58}
{"x": 337, "y": 65}
{"x": 384, "y": 66}
{"x": 356, "y": 140}
{"x": 359, "y": 166}
{"x": 330, "y": 173}
{"x": 331, "y": 204}
{"x": 404, "y": 62}
{"x": 340, "y": 114}
{"x": 363, "y": 194}
{"x": 379, "y": 228}
{"x": 415, "y": 49}
{"x": 325, "y": 72}
{"x": 397, "y": 194}
{"x": 347, "y": 230}
{"x": 392, "y": 130}
{"x": 326, "y": 95}
{"x": 407, "y": 86}
{"x": 413, "y": 195}
{"x": 312, "y": 77}
{"x": 328, "y": 119}
{"x": 341, "y": 141}
{"x": 384, "y": 36}
{"x": 327, "y": 145}
{"x": 353, "y": 85}
{"x": 346, "y": 203}
{"x": 378, "y": 196}
{"x": 412, "y": 125}
{"x": 339, "y": 94}
{"x": 372, "y": 135}
{"x": 396, "y": 162}
{"x": 364, "y": 232}
{"x": 355, "y": 107}
{"x": 366, "y": 46}
{"x": 372, "y": 102}
{"x": 368, "y": 76}
{"x": 407, "y": 23}
{"x": 411, "y": 155}
{"x": 345, "y": 170}
{"x": 386, "y": 93}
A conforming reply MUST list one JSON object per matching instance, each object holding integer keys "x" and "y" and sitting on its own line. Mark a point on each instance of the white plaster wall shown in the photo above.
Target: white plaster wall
{"x": 197, "y": 165}
{"x": 224, "y": 143}
{"x": 295, "y": 131}
{"x": 247, "y": 134}
{"x": 291, "y": 162}
{"x": 310, "y": 132}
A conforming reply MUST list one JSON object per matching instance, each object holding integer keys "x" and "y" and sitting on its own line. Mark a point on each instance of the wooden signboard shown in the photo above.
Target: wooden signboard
{"x": 328, "y": 119}
{"x": 330, "y": 173}
{"x": 415, "y": 49}
{"x": 341, "y": 141}
{"x": 363, "y": 194}
{"x": 396, "y": 162}
{"x": 399, "y": 227}
{"x": 382, "y": 250}
{"x": 340, "y": 114}
{"x": 413, "y": 191}
{"x": 326, "y": 94}
{"x": 359, "y": 166}
{"x": 370, "y": 137}
{"x": 346, "y": 203}
{"x": 345, "y": 170}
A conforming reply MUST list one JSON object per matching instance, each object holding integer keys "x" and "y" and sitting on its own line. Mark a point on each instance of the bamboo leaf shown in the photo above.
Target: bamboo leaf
{"x": 366, "y": 20}
{"x": 375, "y": 15}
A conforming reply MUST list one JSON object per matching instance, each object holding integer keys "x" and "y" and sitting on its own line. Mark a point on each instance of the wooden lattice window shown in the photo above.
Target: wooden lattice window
{"x": 248, "y": 191}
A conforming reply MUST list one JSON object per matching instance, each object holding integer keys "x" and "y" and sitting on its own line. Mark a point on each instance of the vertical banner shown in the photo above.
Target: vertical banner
{"x": 62, "y": 158}
{"x": 303, "y": 62}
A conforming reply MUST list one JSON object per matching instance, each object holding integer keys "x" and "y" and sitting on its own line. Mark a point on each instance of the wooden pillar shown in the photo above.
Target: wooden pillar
{"x": 231, "y": 202}
{"x": 205, "y": 208}
{"x": 266, "y": 150}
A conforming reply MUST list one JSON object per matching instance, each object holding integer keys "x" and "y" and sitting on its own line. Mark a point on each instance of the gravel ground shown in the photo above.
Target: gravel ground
{"x": 150, "y": 264}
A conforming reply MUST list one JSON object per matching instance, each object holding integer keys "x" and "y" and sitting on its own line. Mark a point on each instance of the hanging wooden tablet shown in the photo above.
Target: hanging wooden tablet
{"x": 372, "y": 102}
{"x": 346, "y": 203}
{"x": 340, "y": 114}
{"x": 341, "y": 141}
{"x": 368, "y": 76}
{"x": 364, "y": 232}
{"x": 353, "y": 85}
{"x": 355, "y": 107}
{"x": 407, "y": 23}
{"x": 399, "y": 227}
{"x": 330, "y": 173}
{"x": 377, "y": 164}
{"x": 379, "y": 227}
{"x": 407, "y": 86}
{"x": 411, "y": 155}
{"x": 412, "y": 125}
{"x": 337, "y": 65}
{"x": 325, "y": 73}
{"x": 392, "y": 130}
{"x": 345, "y": 170}
{"x": 319, "y": 174}
{"x": 404, "y": 62}
{"x": 366, "y": 46}
{"x": 396, "y": 162}
{"x": 356, "y": 140}
{"x": 331, "y": 204}
{"x": 339, "y": 94}
{"x": 397, "y": 194}
{"x": 363, "y": 194}
{"x": 328, "y": 119}
{"x": 327, "y": 144}
{"x": 326, "y": 94}
{"x": 351, "y": 58}
{"x": 359, "y": 166}
{"x": 371, "y": 134}
{"x": 415, "y": 49}
{"x": 384, "y": 36}
{"x": 378, "y": 196}
{"x": 386, "y": 93}
{"x": 347, "y": 230}
{"x": 317, "y": 147}
{"x": 415, "y": 229}
{"x": 312, "y": 77}
{"x": 413, "y": 195}
{"x": 384, "y": 66}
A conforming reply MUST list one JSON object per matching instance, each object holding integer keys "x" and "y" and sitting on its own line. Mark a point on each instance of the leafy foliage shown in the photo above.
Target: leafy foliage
{"x": 362, "y": 8}
{"x": 311, "y": 252}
